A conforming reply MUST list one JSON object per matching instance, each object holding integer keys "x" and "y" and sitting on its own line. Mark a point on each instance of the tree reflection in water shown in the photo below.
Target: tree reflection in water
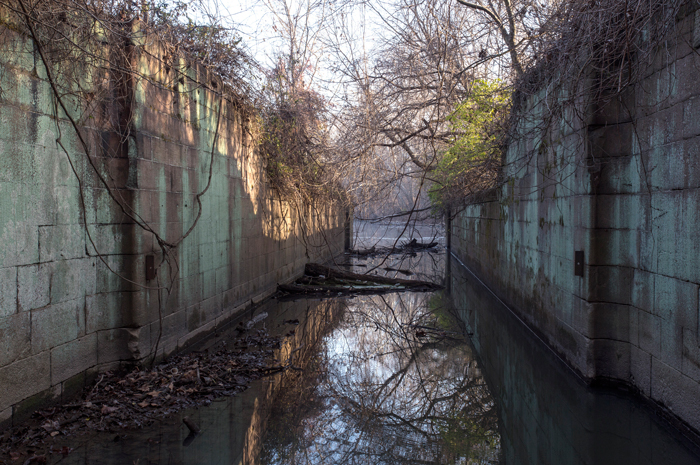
{"x": 394, "y": 382}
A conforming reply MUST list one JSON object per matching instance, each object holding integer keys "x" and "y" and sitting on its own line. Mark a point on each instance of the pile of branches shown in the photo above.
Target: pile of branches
{"x": 322, "y": 281}
{"x": 138, "y": 398}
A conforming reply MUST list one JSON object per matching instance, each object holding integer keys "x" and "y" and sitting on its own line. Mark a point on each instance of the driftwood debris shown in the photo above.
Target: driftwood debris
{"x": 322, "y": 280}
{"x": 410, "y": 247}
{"x": 413, "y": 244}
{"x": 192, "y": 426}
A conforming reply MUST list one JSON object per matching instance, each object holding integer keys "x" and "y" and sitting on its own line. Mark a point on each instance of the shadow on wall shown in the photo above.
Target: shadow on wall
{"x": 547, "y": 415}
{"x": 74, "y": 303}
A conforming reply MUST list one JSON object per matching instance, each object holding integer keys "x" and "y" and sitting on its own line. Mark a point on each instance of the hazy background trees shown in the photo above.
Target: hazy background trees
{"x": 402, "y": 92}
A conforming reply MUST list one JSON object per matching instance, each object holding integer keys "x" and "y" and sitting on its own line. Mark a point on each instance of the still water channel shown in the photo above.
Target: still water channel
{"x": 449, "y": 377}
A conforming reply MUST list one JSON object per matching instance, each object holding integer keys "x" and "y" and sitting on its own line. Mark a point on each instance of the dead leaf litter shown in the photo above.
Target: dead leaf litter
{"x": 118, "y": 401}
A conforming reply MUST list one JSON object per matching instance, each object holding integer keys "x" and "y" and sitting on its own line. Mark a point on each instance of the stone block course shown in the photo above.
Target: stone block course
{"x": 61, "y": 242}
{"x": 106, "y": 310}
{"x": 72, "y": 358}
{"x": 649, "y": 333}
{"x": 119, "y": 273}
{"x": 33, "y": 285}
{"x": 643, "y": 290}
{"x": 618, "y": 212}
{"x": 676, "y": 300}
{"x": 679, "y": 393}
{"x": 6, "y": 417}
{"x": 15, "y": 338}
{"x": 671, "y": 344}
{"x": 101, "y": 208}
{"x": 618, "y": 247}
{"x": 611, "y": 284}
{"x": 612, "y": 359}
{"x": 123, "y": 344}
{"x": 21, "y": 167}
{"x": 691, "y": 354}
{"x": 640, "y": 369}
{"x": 112, "y": 239}
{"x": 57, "y": 324}
{"x": 70, "y": 279}
{"x": 24, "y": 378}
{"x": 8, "y": 291}
{"x": 173, "y": 326}
{"x": 612, "y": 321}
{"x": 148, "y": 173}
{"x": 20, "y": 237}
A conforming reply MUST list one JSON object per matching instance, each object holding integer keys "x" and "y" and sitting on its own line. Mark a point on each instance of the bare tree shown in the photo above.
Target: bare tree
{"x": 395, "y": 122}
{"x": 399, "y": 121}
{"x": 516, "y": 22}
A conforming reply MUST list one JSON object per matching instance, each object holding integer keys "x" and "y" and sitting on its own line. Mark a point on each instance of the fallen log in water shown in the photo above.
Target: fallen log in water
{"x": 411, "y": 247}
{"x": 322, "y": 280}
{"x": 415, "y": 245}
{"x": 315, "y": 270}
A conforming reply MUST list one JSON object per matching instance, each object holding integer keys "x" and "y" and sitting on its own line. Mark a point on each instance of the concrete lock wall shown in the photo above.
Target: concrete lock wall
{"x": 623, "y": 188}
{"x": 64, "y": 316}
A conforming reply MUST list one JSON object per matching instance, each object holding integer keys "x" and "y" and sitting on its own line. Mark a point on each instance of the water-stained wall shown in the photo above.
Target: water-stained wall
{"x": 621, "y": 188}
{"x": 546, "y": 414}
{"x": 95, "y": 273}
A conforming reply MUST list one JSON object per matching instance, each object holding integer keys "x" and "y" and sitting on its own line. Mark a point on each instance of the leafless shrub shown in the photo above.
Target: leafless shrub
{"x": 295, "y": 141}
{"x": 586, "y": 55}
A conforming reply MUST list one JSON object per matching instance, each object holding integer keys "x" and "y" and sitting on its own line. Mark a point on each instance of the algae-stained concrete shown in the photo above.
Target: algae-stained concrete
{"x": 546, "y": 415}
{"x": 75, "y": 293}
{"x": 623, "y": 187}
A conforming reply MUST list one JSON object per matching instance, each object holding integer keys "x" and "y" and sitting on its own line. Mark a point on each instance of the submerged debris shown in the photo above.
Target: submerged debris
{"x": 142, "y": 396}
{"x": 403, "y": 272}
{"x": 192, "y": 426}
{"x": 322, "y": 281}
{"x": 413, "y": 244}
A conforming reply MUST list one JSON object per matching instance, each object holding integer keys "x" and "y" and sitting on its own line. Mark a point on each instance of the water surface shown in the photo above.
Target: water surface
{"x": 449, "y": 377}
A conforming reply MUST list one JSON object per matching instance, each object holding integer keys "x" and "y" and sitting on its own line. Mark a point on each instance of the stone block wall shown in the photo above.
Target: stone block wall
{"x": 76, "y": 297}
{"x": 623, "y": 188}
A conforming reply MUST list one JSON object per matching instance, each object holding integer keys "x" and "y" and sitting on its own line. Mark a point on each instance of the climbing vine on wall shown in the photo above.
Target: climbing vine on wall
{"x": 91, "y": 54}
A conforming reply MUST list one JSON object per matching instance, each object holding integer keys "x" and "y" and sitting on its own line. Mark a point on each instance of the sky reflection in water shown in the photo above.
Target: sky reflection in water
{"x": 396, "y": 382}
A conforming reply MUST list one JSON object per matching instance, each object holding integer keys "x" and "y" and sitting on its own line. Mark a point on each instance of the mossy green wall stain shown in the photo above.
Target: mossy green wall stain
{"x": 226, "y": 260}
{"x": 626, "y": 196}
